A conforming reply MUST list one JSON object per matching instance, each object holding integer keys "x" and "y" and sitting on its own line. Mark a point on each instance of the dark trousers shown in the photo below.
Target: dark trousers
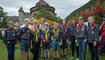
{"x": 73, "y": 47}
{"x": 11, "y": 50}
{"x": 36, "y": 49}
{"x": 93, "y": 51}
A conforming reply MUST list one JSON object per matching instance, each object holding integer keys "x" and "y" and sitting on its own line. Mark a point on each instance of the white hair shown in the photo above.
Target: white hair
{"x": 27, "y": 19}
{"x": 34, "y": 20}
{"x": 46, "y": 23}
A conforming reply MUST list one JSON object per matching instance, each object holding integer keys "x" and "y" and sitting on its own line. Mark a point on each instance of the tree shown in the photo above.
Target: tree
{"x": 46, "y": 14}
{"x": 3, "y": 23}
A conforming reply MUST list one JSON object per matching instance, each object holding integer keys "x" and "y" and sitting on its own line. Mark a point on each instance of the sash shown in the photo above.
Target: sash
{"x": 91, "y": 26}
{"x": 46, "y": 31}
{"x": 56, "y": 33}
{"x": 74, "y": 29}
{"x": 36, "y": 35}
{"x": 11, "y": 32}
{"x": 26, "y": 30}
{"x": 80, "y": 28}
{"x": 64, "y": 29}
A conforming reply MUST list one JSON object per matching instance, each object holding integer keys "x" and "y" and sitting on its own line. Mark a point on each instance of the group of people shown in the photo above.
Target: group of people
{"x": 58, "y": 38}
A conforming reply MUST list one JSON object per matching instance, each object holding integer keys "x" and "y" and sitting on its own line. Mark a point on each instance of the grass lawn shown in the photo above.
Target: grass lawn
{"x": 4, "y": 54}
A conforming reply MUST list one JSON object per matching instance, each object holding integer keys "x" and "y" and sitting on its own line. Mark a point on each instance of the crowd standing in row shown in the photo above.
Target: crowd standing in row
{"x": 39, "y": 36}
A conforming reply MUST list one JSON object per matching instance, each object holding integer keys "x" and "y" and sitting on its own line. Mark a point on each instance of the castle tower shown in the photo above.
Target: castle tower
{"x": 21, "y": 16}
{"x": 41, "y": 4}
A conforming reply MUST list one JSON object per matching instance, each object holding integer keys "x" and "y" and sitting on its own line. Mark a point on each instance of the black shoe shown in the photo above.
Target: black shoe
{"x": 53, "y": 58}
{"x": 48, "y": 58}
{"x": 65, "y": 57}
{"x": 57, "y": 59}
{"x": 62, "y": 57}
{"x": 45, "y": 58}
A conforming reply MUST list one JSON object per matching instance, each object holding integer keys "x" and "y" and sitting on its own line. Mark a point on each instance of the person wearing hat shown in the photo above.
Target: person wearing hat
{"x": 10, "y": 39}
{"x": 46, "y": 41}
{"x": 35, "y": 43}
{"x": 72, "y": 37}
{"x": 102, "y": 37}
{"x": 64, "y": 39}
{"x": 93, "y": 38}
{"x": 81, "y": 35}
{"x": 56, "y": 37}
{"x": 25, "y": 39}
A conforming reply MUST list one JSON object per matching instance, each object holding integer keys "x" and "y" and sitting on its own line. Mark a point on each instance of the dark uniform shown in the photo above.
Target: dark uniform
{"x": 36, "y": 39}
{"x": 46, "y": 44}
{"x": 93, "y": 36}
{"x": 25, "y": 38}
{"x": 10, "y": 39}
{"x": 65, "y": 36}
{"x": 56, "y": 34}
{"x": 81, "y": 34}
{"x": 72, "y": 40}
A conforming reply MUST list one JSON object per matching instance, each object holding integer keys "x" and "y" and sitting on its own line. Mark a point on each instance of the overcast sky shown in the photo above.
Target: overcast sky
{"x": 63, "y": 7}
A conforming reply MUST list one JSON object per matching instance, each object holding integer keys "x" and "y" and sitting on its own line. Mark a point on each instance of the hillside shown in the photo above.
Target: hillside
{"x": 88, "y": 5}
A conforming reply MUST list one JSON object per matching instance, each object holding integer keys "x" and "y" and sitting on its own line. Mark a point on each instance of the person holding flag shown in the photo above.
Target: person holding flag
{"x": 46, "y": 41}
{"x": 10, "y": 39}
{"x": 56, "y": 37}
{"x": 81, "y": 35}
{"x": 25, "y": 39}
{"x": 93, "y": 38}
{"x": 72, "y": 38}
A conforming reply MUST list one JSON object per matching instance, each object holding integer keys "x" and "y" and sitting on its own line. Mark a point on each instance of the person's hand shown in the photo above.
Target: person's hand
{"x": 8, "y": 42}
{"x": 85, "y": 40}
{"x": 76, "y": 41}
{"x": 70, "y": 42}
{"x": 95, "y": 43}
{"x": 31, "y": 47}
{"x": 16, "y": 46}
{"x": 60, "y": 43}
{"x": 100, "y": 38}
{"x": 67, "y": 41}
{"x": 41, "y": 45}
{"x": 44, "y": 40}
{"x": 52, "y": 38}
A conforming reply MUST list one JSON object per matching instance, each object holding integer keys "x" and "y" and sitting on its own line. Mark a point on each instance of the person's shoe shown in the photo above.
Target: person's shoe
{"x": 48, "y": 58}
{"x": 65, "y": 57}
{"x": 45, "y": 58}
{"x": 62, "y": 57}
{"x": 57, "y": 59}
{"x": 77, "y": 58}
{"x": 53, "y": 58}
